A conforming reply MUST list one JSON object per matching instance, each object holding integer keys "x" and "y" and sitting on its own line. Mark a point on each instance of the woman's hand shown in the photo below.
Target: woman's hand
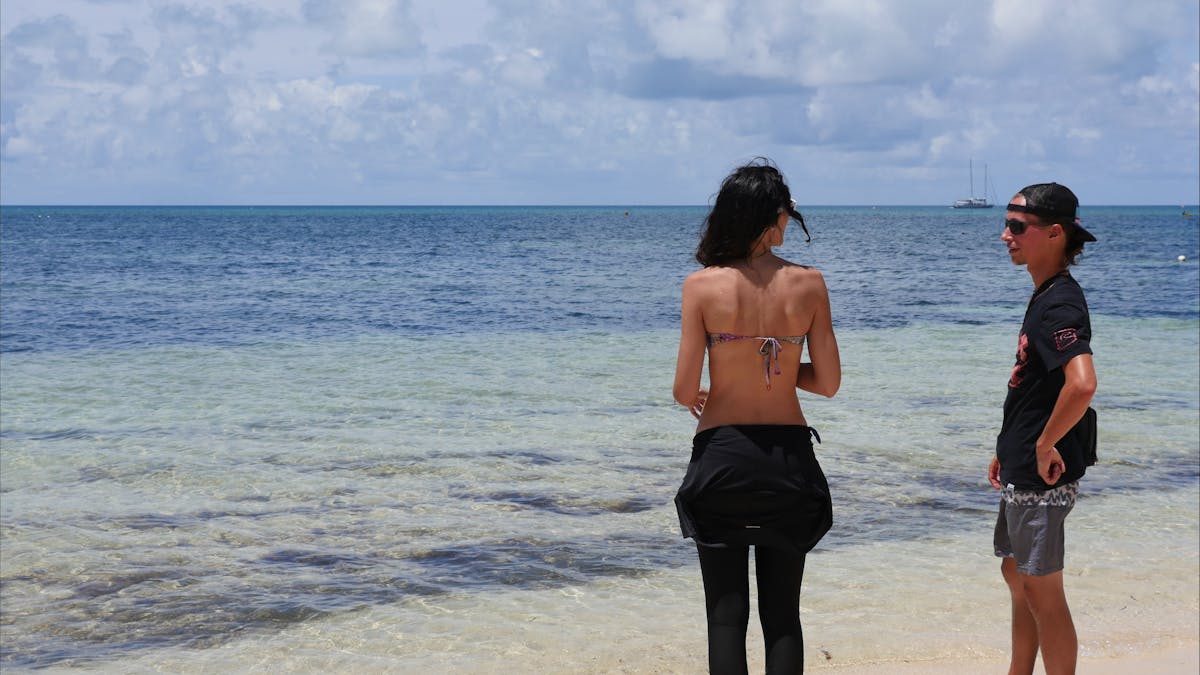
{"x": 697, "y": 406}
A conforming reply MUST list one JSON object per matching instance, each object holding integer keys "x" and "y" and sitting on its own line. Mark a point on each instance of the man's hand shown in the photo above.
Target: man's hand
{"x": 1050, "y": 465}
{"x": 994, "y": 473}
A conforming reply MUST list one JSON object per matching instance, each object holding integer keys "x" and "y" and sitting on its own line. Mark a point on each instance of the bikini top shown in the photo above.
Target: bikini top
{"x": 769, "y": 348}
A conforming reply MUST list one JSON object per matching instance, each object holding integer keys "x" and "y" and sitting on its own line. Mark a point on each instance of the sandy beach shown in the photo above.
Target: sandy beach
{"x": 1180, "y": 660}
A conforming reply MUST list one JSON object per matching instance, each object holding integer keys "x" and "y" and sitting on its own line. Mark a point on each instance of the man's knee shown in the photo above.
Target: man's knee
{"x": 1044, "y": 593}
{"x": 1012, "y": 576}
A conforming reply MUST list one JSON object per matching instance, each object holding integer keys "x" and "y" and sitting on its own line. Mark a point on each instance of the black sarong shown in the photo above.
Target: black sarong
{"x": 755, "y": 484}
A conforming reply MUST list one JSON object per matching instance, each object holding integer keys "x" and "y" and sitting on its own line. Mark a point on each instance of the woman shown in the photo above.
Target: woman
{"x": 753, "y": 479}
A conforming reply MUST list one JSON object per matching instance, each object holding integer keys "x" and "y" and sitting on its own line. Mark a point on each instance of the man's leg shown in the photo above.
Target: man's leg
{"x": 1055, "y": 629}
{"x": 1024, "y": 624}
{"x": 1030, "y": 530}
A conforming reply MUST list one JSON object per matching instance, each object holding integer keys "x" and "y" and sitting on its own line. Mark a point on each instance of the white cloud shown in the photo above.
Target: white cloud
{"x": 699, "y": 30}
{"x": 368, "y": 28}
{"x": 548, "y": 100}
{"x": 1084, "y": 134}
{"x": 523, "y": 68}
{"x": 17, "y": 147}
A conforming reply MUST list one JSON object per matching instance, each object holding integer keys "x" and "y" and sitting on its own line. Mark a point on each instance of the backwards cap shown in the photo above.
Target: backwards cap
{"x": 1054, "y": 202}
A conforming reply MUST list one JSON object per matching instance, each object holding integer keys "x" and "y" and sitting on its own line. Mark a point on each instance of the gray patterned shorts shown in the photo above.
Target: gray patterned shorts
{"x": 1029, "y": 527}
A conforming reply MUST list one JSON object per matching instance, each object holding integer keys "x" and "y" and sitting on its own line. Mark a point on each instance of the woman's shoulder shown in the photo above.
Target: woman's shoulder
{"x": 802, "y": 281}
{"x": 711, "y": 283}
{"x": 710, "y": 275}
{"x": 696, "y": 282}
{"x": 797, "y": 272}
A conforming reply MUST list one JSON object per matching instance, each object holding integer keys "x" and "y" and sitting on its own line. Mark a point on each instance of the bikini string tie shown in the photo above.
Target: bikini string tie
{"x": 770, "y": 352}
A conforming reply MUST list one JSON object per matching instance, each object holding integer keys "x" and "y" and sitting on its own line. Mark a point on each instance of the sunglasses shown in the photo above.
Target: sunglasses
{"x": 795, "y": 215}
{"x": 1019, "y": 226}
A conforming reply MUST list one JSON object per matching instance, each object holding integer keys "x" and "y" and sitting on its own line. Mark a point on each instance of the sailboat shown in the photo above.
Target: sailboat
{"x": 974, "y": 202}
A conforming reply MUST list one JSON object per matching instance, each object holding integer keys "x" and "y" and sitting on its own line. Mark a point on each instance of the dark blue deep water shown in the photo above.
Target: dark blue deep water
{"x": 104, "y": 277}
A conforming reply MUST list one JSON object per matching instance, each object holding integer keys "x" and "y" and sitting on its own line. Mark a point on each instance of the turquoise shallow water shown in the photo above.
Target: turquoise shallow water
{"x": 296, "y": 445}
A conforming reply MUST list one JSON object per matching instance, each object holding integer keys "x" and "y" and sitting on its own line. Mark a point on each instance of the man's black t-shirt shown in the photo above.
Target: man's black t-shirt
{"x": 1057, "y": 328}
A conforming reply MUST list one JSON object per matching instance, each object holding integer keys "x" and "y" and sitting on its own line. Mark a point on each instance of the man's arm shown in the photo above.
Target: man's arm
{"x": 1079, "y": 386}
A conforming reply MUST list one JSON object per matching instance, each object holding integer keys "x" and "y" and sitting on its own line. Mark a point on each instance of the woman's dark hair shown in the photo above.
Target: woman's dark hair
{"x": 748, "y": 204}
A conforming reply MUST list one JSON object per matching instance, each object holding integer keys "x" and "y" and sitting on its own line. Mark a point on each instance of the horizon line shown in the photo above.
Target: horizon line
{"x": 596, "y": 206}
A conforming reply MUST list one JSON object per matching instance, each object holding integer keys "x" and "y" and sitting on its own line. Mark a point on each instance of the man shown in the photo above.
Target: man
{"x": 1043, "y": 448}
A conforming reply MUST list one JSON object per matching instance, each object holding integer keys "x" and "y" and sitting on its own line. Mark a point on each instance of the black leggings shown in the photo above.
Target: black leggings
{"x": 727, "y": 601}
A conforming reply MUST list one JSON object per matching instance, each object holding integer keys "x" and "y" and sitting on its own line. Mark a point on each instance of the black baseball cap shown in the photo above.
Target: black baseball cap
{"x": 1053, "y": 202}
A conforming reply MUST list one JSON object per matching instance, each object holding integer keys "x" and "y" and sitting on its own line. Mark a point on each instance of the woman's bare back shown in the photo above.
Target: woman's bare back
{"x": 754, "y": 313}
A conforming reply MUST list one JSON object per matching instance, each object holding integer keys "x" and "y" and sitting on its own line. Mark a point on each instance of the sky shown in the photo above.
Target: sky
{"x": 607, "y": 102}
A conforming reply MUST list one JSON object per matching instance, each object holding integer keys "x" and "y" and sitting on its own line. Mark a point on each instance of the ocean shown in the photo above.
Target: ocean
{"x": 442, "y": 439}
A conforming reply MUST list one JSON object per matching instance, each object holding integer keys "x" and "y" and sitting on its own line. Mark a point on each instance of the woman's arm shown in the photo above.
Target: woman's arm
{"x": 690, "y": 362}
{"x": 824, "y": 374}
